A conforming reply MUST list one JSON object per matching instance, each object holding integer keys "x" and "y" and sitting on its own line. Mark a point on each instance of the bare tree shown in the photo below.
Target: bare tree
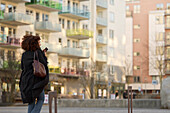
{"x": 156, "y": 57}
{"x": 88, "y": 81}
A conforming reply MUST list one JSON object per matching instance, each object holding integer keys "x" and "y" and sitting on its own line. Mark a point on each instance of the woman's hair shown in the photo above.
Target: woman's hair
{"x": 30, "y": 43}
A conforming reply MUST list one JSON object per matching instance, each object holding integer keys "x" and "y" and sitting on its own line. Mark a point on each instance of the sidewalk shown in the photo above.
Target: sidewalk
{"x": 23, "y": 109}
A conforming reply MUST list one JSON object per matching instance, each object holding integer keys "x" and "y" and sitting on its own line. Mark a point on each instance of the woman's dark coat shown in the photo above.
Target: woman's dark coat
{"x": 30, "y": 85}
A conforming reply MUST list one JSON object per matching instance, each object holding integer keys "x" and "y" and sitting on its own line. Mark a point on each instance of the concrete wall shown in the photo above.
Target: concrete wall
{"x": 137, "y": 103}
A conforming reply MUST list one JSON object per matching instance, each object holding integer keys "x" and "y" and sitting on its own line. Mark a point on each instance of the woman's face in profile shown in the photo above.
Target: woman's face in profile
{"x": 39, "y": 42}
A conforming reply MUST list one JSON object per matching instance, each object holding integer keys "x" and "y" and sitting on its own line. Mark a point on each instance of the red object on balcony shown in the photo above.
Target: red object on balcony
{"x": 13, "y": 41}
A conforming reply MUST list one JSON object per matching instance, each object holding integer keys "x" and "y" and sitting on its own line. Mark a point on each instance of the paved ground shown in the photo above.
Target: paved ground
{"x": 82, "y": 110}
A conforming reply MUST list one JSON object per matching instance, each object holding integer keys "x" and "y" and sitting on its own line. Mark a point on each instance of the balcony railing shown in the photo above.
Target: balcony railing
{"x": 46, "y": 5}
{"x": 100, "y": 39}
{"x": 74, "y": 13}
{"x": 167, "y": 12}
{"x": 101, "y": 21}
{"x": 68, "y": 71}
{"x": 54, "y": 69}
{"x": 46, "y": 26}
{"x": 129, "y": 14}
{"x": 101, "y": 57}
{"x": 8, "y": 41}
{"x": 1, "y": 15}
{"x": 102, "y": 3}
{"x": 73, "y": 52}
{"x": 79, "y": 34}
{"x": 17, "y": 19}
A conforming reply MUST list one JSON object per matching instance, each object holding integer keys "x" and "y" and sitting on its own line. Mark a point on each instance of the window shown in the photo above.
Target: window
{"x": 2, "y": 7}
{"x": 100, "y": 32}
{"x": 60, "y": 41}
{"x": 37, "y": 16}
{"x": 68, "y": 43}
{"x": 136, "y": 79}
{"x": 29, "y": 12}
{"x": 159, "y": 50}
{"x": 63, "y": 23}
{"x": 127, "y": 8}
{"x": 68, "y": 63}
{"x": 112, "y": 2}
{"x": 11, "y": 8}
{"x": 137, "y": 40}
{"x": 2, "y": 54}
{"x": 136, "y": 53}
{"x": 136, "y": 67}
{"x": 111, "y": 32}
{"x": 159, "y": 19}
{"x": 85, "y": 26}
{"x": 137, "y": 26}
{"x": 168, "y": 6}
{"x": 74, "y": 44}
{"x": 84, "y": 64}
{"x": 112, "y": 18}
{"x": 159, "y": 6}
{"x": 136, "y": 8}
{"x": 68, "y": 24}
{"x": 44, "y": 17}
{"x": 85, "y": 8}
{"x": 60, "y": 21}
{"x": 13, "y": 55}
{"x": 112, "y": 70}
{"x": 28, "y": 33}
{"x": 159, "y": 36}
{"x": 168, "y": 21}
{"x": 74, "y": 25}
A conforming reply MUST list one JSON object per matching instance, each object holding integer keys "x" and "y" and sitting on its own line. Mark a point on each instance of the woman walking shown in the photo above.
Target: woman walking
{"x": 31, "y": 86}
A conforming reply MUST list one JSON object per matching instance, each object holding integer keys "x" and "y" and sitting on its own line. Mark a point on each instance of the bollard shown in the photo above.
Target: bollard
{"x": 51, "y": 96}
{"x": 130, "y": 91}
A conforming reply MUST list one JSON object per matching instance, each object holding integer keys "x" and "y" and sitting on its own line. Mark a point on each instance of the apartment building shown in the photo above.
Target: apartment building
{"x": 79, "y": 34}
{"x": 147, "y": 32}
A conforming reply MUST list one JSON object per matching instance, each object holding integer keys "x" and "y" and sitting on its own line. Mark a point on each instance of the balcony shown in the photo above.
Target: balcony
{"x": 46, "y": 26}
{"x": 101, "y": 22}
{"x": 17, "y": 1}
{"x": 67, "y": 72}
{"x": 167, "y": 26}
{"x": 16, "y": 19}
{"x": 45, "y": 5}
{"x": 80, "y": 34}
{"x": 73, "y": 52}
{"x": 1, "y": 15}
{"x": 101, "y": 4}
{"x": 52, "y": 48}
{"x": 9, "y": 42}
{"x": 101, "y": 58}
{"x": 129, "y": 14}
{"x": 167, "y": 12}
{"x": 74, "y": 13}
{"x": 101, "y": 40}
